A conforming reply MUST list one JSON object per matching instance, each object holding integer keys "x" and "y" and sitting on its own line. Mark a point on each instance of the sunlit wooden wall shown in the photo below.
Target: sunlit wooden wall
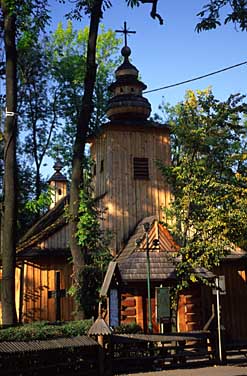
{"x": 125, "y": 200}
{"x": 38, "y": 279}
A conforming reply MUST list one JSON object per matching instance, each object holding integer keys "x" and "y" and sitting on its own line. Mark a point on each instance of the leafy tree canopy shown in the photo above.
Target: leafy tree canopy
{"x": 68, "y": 49}
{"x": 51, "y": 74}
{"x": 208, "y": 212}
{"x": 85, "y": 7}
{"x": 229, "y": 10}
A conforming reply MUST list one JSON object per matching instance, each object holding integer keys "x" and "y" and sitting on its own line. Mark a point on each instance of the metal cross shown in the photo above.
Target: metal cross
{"x": 125, "y": 31}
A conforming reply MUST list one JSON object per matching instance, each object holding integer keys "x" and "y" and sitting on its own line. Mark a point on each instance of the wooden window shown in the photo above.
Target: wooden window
{"x": 141, "y": 168}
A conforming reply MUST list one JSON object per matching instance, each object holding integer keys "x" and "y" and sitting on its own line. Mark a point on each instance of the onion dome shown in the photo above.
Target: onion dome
{"x": 127, "y": 100}
{"x": 57, "y": 176}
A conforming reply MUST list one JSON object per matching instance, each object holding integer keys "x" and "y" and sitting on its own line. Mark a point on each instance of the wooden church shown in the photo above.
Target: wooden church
{"x": 131, "y": 193}
{"x": 134, "y": 193}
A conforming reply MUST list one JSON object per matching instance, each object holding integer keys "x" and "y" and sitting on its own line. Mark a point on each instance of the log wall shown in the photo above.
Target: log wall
{"x": 190, "y": 310}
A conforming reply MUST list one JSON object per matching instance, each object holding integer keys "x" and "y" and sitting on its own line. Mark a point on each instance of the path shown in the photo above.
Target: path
{"x": 229, "y": 370}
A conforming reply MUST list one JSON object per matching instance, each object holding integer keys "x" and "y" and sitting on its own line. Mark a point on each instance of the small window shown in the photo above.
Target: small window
{"x": 132, "y": 90}
{"x": 59, "y": 191}
{"x": 102, "y": 165}
{"x": 141, "y": 168}
{"x": 121, "y": 90}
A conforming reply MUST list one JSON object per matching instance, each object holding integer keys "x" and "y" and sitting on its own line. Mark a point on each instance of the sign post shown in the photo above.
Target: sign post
{"x": 218, "y": 317}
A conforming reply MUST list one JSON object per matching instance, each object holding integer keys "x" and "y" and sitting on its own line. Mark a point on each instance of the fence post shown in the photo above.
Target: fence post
{"x": 101, "y": 330}
{"x": 101, "y": 355}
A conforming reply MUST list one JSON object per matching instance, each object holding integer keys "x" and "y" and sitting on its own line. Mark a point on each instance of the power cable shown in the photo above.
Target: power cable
{"x": 196, "y": 78}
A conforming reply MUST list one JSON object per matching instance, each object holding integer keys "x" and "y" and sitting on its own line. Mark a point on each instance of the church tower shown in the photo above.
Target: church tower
{"x": 128, "y": 182}
{"x": 58, "y": 184}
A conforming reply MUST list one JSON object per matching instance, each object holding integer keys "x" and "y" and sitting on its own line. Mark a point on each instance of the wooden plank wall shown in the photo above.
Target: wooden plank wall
{"x": 127, "y": 200}
{"x": 38, "y": 280}
{"x": 234, "y": 303}
{"x": 60, "y": 239}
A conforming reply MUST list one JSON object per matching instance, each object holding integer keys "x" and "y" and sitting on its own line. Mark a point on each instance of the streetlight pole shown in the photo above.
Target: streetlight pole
{"x": 150, "y": 326}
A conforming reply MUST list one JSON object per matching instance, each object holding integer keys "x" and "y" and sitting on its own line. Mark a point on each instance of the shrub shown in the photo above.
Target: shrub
{"x": 131, "y": 328}
{"x": 45, "y": 330}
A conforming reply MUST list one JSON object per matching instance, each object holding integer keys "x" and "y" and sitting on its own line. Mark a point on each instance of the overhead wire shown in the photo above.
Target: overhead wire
{"x": 196, "y": 78}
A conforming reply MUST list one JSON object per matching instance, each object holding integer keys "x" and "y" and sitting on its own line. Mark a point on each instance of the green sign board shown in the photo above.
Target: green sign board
{"x": 163, "y": 303}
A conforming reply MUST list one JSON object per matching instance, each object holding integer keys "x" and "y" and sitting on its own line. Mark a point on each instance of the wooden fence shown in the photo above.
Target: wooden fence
{"x": 63, "y": 356}
{"x": 139, "y": 352}
{"x": 121, "y": 353}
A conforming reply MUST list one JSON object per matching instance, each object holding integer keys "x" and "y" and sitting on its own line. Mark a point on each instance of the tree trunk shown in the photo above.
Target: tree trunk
{"x": 10, "y": 172}
{"x": 79, "y": 144}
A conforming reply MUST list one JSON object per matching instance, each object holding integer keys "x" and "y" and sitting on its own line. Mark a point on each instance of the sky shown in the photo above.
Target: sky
{"x": 175, "y": 52}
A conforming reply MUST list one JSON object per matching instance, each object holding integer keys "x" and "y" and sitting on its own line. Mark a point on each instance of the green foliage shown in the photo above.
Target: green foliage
{"x": 94, "y": 243}
{"x": 89, "y": 234}
{"x": 67, "y": 49}
{"x": 51, "y": 72}
{"x": 45, "y": 330}
{"x": 208, "y": 178}
{"x": 32, "y": 16}
{"x": 82, "y": 7}
{"x": 131, "y": 328}
{"x": 211, "y": 14}
{"x": 42, "y": 203}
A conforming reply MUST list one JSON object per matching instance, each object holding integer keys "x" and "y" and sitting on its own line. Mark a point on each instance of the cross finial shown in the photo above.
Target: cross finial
{"x": 125, "y": 31}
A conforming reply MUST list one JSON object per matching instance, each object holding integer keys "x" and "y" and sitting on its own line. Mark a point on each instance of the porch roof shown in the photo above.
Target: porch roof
{"x": 162, "y": 266}
{"x": 131, "y": 263}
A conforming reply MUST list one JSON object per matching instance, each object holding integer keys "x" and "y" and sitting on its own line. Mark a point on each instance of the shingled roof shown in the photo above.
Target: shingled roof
{"x": 162, "y": 266}
{"x": 131, "y": 263}
{"x": 132, "y": 260}
{"x": 49, "y": 223}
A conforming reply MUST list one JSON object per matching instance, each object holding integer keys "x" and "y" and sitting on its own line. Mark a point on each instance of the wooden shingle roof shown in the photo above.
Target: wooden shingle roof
{"x": 157, "y": 231}
{"x": 131, "y": 263}
{"x": 49, "y": 223}
{"x": 132, "y": 260}
{"x": 162, "y": 266}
